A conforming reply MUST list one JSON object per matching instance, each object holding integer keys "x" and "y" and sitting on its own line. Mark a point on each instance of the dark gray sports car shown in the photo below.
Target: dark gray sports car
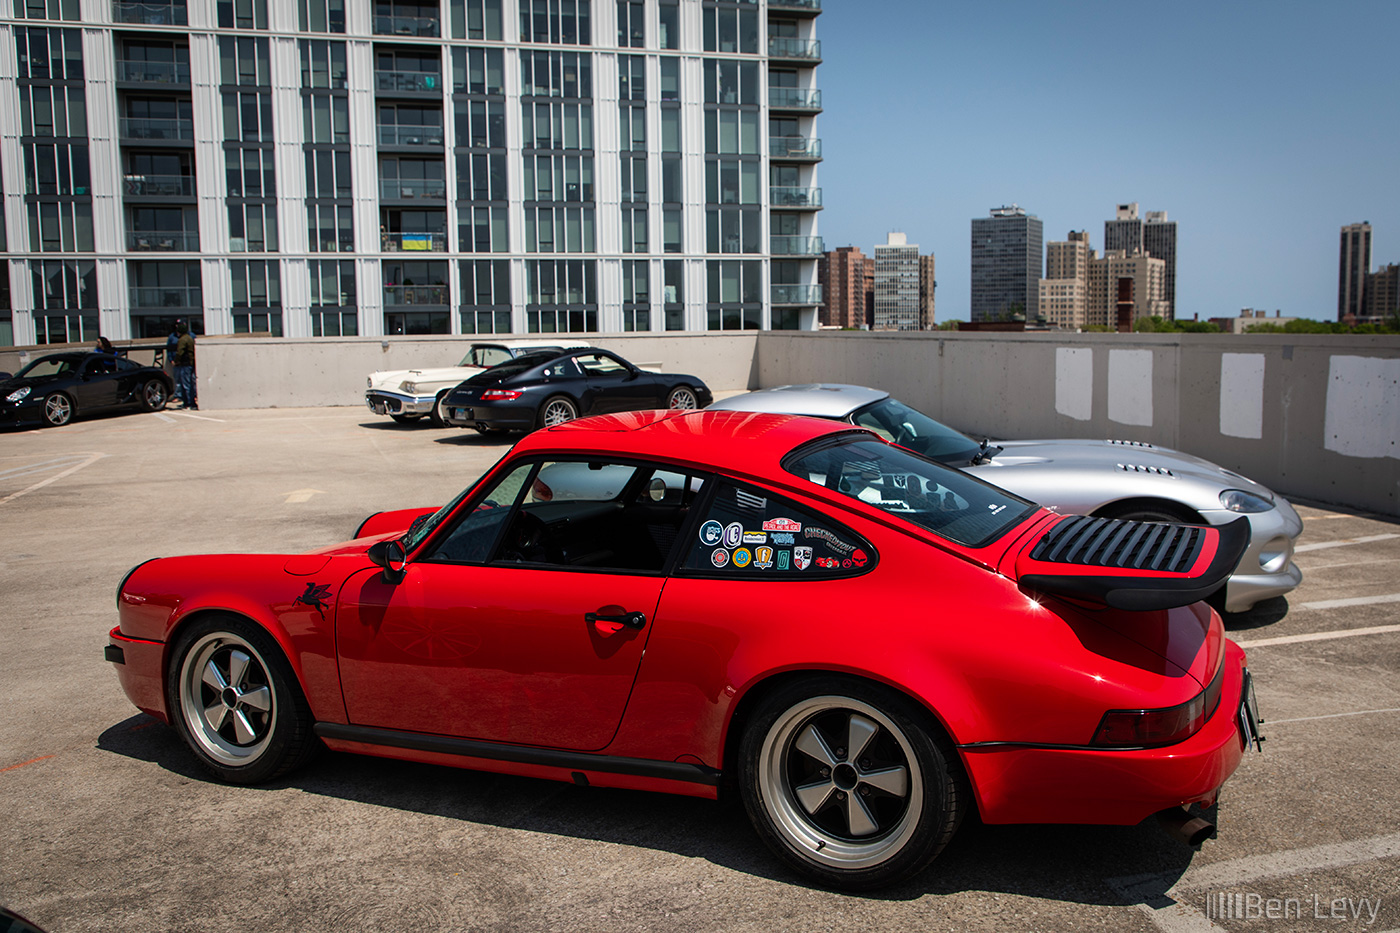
{"x": 55, "y": 389}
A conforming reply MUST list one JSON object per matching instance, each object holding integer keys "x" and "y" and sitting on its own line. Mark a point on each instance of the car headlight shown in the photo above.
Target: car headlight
{"x": 18, "y": 395}
{"x": 1237, "y": 500}
{"x": 410, "y": 387}
{"x": 369, "y": 383}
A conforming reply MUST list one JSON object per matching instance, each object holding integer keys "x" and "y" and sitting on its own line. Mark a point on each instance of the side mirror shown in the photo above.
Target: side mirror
{"x": 391, "y": 556}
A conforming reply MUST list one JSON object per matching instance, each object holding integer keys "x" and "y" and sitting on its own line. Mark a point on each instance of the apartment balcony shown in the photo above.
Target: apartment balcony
{"x": 795, "y": 148}
{"x": 412, "y": 83}
{"x": 159, "y": 74}
{"x": 800, "y": 51}
{"x": 412, "y": 190}
{"x": 797, "y": 294}
{"x": 150, "y": 14}
{"x": 413, "y": 242}
{"x": 795, "y": 99}
{"x": 158, "y": 186}
{"x": 175, "y": 297}
{"x": 418, "y": 137}
{"x": 422, "y": 26}
{"x": 795, "y": 199}
{"x": 800, "y": 246}
{"x": 148, "y": 129}
{"x": 162, "y": 241}
{"x": 798, "y": 7}
{"x": 402, "y": 296}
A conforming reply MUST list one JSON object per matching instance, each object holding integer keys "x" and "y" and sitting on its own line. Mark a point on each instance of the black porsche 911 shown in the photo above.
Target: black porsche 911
{"x": 55, "y": 389}
{"x": 553, "y": 386}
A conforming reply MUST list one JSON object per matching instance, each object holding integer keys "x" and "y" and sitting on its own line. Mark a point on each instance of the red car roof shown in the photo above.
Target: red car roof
{"x": 750, "y": 442}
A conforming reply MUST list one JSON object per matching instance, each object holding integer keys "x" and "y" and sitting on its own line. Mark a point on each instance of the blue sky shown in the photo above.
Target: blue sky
{"x": 1261, "y": 128}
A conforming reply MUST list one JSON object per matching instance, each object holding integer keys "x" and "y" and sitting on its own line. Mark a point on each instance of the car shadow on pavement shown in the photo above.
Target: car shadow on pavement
{"x": 1265, "y": 612}
{"x": 1065, "y": 863}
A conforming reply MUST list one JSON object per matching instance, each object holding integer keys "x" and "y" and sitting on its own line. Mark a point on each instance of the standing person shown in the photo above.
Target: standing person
{"x": 184, "y": 367}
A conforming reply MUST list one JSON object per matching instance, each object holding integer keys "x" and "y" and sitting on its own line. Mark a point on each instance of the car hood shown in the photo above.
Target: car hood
{"x": 9, "y": 385}
{"x": 1125, "y": 457}
{"x": 391, "y": 378}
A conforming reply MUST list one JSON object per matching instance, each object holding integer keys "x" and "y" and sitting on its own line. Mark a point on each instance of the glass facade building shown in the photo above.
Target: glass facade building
{"x": 1006, "y": 251}
{"x": 325, "y": 168}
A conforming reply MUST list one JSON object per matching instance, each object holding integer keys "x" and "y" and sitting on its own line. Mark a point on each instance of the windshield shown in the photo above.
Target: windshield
{"x": 48, "y": 366}
{"x": 947, "y": 502}
{"x": 899, "y": 424}
{"x": 420, "y": 529}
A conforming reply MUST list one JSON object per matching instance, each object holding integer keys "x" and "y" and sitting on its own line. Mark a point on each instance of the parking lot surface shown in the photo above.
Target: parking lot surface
{"x": 109, "y": 824}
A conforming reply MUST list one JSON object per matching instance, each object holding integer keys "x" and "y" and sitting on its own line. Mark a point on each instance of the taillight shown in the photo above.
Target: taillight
{"x": 1147, "y": 728}
{"x": 500, "y": 395}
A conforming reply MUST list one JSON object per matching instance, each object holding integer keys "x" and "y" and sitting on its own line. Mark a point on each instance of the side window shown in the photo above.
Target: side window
{"x": 597, "y": 364}
{"x": 470, "y": 542}
{"x": 563, "y": 368}
{"x": 489, "y": 356}
{"x": 125, "y": 365}
{"x": 746, "y": 532}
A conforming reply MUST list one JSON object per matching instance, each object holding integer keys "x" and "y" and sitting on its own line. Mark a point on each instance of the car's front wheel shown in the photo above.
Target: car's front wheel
{"x": 682, "y": 397}
{"x": 557, "y": 411}
{"x": 849, "y": 782}
{"x": 235, "y": 701}
{"x": 154, "y": 395}
{"x": 58, "y": 410}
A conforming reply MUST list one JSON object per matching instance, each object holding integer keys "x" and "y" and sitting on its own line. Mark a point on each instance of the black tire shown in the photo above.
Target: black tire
{"x": 557, "y": 410}
{"x": 683, "y": 398}
{"x": 234, "y": 699}
{"x": 438, "y": 416}
{"x": 154, "y": 395}
{"x": 406, "y": 419}
{"x": 850, "y": 819}
{"x": 1151, "y": 511}
{"x": 58, "y": 410}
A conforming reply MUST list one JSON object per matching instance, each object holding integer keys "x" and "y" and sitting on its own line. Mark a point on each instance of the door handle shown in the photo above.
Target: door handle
{"x": 629, "y": 619}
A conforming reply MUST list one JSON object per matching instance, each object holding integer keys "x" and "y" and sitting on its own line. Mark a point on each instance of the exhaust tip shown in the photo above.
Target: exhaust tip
{"x": 1189, "y": 830}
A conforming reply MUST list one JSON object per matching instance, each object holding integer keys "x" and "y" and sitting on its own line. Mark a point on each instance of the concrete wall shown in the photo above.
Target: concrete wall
{"x": 1316, "y": 417}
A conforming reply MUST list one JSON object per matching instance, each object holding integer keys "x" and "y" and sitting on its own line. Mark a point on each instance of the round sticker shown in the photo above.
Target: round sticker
{"x": 719, "y": 557}
{"x": 742, "y": 557}
{"x": 710, "y": 533}
{"x": 733, "y": 534}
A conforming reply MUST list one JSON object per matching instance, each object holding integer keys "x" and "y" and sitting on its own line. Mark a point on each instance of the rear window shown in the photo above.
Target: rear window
{"x": 947, "y": 502}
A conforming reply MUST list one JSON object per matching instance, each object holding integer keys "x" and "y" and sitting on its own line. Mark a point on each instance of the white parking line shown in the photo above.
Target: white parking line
{"x": 1352, "y": 601}
{"x": 1159, "y": 898}
{"x": 198, "y": 417}
{"x": 163, "y": 417}
{"x": 1360, "y": 712}
{"x": 92, "y": 458}
{"x": 41, "y": 467}
{"x": 1324, "y": 545}
{"x": 1320, "y": 636}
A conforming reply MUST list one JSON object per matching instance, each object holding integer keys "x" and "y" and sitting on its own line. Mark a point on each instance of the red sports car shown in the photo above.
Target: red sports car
{"x": 865, "y": 644}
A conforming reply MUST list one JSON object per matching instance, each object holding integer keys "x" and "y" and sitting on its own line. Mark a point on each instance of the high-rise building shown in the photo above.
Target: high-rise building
{"x": 1124, "y": 287}
{"x": 477, "y": 166}
{"x": 1124, "y": 232}
{"x": 896, "y": 284}
{"x": 1064, "y": 292}
{"x": 1159, "y": 242}
{"x": 1006, "y": 257}
{"x": 844, "y": 290}
{"x": 1383, "y": 292}
{"x": 1353, "y": 266}
{"x": 928, "y": 284}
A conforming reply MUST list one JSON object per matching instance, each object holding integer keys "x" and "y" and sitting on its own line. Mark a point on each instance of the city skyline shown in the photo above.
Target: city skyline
{"x": 1260, "y": 137}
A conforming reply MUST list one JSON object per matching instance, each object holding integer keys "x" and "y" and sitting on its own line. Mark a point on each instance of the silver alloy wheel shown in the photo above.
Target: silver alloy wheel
{"x": 57, "y": 409}
{"x": 682, "y": 398}
{"x": 153, "y": 395}
{"x": 226, "y": 698}
{"x": 841, "y": 782}
{"x": 558, "y": 411}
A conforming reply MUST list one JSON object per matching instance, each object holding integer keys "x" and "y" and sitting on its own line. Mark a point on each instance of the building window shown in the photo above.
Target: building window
{"x": 560, "y": 22}
{"x": 162, "y": 229}
{"x": 247, "y": 116}
{"x": 257, "y": 296}
{"x": 730, "y": 29}
{"x": 631, "y": 24}
{"x": 636, "y": 295}
{"x": 162, "y": 293}
{"x": 416, "y": 299}
{"x": 485, "y": 307}
{"x": 330, "y": 228}
{"x": 243, "y": 62}
{"x": 735, "y": 298}
{"x": 561, "y": 296}
{"x": 475, "y": 19}
{"x": 333, "y": 306}
{"x": 243, "y": 14}
{"x": 321, "y": 15}
{"x": 252, "y": 228}
{"x": 673, "y": 294}
{"x": 47, "y": 9}
{"x": 65, "y": 300}
{"x": 670, "y": 20}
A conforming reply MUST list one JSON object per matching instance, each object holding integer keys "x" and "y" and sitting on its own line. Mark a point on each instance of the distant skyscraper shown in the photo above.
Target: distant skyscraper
{"x": 1125, "y": 231}
{"x": 1006, "y": 251}
{"x": 1159, "y": 242}
{"x": 1383, "y": 291}
{"x": 896, "y": 284}
{"x": 1064, "y": 292}
{"x": 843, "y": 274}
{"x": 1355, "y": 263}
{"x": 1125, "y": 287}
{"x": 927, "y": 285}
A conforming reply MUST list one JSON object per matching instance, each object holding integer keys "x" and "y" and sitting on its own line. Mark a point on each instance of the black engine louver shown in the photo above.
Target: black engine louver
{"x": 1105, "y": 542}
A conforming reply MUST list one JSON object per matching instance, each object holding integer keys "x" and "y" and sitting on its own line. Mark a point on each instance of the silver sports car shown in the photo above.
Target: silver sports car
{"x": 1110, "y": 479}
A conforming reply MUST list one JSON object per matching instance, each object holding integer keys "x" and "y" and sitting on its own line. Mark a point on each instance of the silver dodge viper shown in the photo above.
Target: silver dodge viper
{"x": 1110, "y": 479}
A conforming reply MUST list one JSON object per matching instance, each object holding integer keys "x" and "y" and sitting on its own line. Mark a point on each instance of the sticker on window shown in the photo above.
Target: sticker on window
{"x": 755, "y": 537}
{"x": 782, "y": 524}
{"x": 733, "y": 534}
{"x": 802, "y": 557}
{"x": 742, "y": 557}
{"x": 710, "y": 533}
{"x": 719, "y": 557}
{"x": 833, "y": 542}
{"x": 763, "y": 557}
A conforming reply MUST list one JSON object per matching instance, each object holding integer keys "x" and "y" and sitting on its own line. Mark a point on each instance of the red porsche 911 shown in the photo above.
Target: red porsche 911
{"x": 866, "y": 645}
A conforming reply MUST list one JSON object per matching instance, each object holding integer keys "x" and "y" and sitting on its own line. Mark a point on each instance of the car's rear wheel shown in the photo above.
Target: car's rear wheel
{"x": 557, "y": 411}
{"x": 235, "y": 701}
{"x": 682, "y": 397}
{"x": 58, "y": 410}
{"x": 406, "y": 419}
{"x": 849, "y": 782}
{"x": 154, "y": 395}
{"x": 438, "y": 416}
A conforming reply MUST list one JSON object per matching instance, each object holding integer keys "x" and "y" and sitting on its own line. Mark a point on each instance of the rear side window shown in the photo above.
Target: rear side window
{"x": 751, "y": 533}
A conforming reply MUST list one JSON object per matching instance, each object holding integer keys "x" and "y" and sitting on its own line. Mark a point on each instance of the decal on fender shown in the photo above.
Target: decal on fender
{"x": 316, "y": 597}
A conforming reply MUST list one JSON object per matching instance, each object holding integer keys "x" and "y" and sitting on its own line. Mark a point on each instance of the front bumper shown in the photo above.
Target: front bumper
{"x": 382, "y": 402}
{"x": 1266, "y": 570}
{"x": 1026, "y": 784}
{"x": 139, "y": 671}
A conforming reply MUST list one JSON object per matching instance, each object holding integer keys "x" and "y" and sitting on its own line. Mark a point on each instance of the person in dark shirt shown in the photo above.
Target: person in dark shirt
{"x": 184, "y": 367}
